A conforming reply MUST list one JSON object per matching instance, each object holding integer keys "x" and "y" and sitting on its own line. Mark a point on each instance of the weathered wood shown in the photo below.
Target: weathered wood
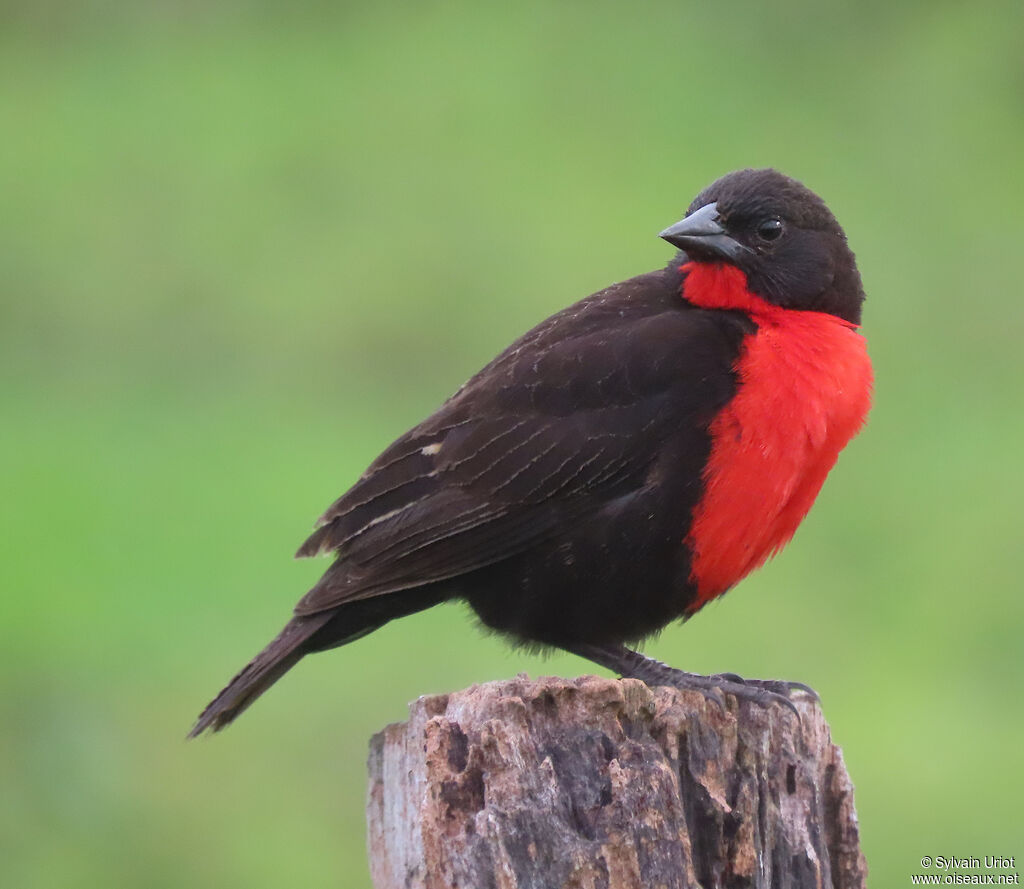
{"x": 601, "y": 784}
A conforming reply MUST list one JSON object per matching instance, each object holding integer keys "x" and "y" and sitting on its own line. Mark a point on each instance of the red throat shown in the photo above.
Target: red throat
{"x": 804, "y": 390}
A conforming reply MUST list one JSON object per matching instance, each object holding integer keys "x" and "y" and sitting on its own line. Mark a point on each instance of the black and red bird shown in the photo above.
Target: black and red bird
{"x": 623, "y": 463}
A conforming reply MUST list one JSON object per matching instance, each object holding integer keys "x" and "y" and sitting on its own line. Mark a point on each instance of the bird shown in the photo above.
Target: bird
{"x": 619, "y": 466}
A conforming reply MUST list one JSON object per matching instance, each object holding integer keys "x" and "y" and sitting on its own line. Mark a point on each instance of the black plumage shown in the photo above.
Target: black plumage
{"x": 553, "y": 492}
{"x": 563, "y": 450}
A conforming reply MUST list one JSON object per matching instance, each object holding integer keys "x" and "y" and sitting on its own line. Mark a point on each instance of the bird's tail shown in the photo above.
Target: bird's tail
{"x": 260, "y": 673}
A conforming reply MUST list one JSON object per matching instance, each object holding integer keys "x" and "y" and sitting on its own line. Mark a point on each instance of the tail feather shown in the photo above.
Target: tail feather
{"x": 286, "y": 650}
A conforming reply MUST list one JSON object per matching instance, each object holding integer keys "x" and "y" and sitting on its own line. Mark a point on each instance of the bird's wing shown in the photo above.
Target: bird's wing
{"x": 568, "y": 418}
{"x": 506, "y": 483}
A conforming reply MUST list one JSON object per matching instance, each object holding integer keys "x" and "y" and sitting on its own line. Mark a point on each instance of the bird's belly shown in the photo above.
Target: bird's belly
{"x": 804, "y": 392}
{"x": 608, "y": 578}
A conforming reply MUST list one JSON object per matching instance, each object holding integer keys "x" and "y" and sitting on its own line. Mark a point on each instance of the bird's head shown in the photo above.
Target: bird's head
{"x": 780, "y": 234}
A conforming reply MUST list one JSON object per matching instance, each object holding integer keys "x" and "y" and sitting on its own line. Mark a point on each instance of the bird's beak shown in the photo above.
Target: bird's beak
{"x": 701, "y": 235}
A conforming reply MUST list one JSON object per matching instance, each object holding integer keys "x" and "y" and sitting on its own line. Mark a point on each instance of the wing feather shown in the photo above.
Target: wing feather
{"x": 567, "y": 419}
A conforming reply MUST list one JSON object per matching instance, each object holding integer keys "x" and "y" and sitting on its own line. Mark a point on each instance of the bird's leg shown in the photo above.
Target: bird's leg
{"x": 633, "y": 665}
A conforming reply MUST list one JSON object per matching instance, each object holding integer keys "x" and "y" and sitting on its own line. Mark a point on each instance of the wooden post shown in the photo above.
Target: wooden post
{"x": 591, "y": 782}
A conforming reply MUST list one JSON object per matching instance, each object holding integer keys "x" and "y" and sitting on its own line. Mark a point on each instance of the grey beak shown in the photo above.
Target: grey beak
{"x": 702, "y": 234}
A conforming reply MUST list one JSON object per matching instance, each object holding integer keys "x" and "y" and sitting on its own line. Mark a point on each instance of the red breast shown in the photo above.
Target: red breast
{"x": 804, "y": 391}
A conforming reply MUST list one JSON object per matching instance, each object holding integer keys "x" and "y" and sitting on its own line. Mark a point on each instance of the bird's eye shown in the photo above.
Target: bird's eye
{"x": 770, "y": 229}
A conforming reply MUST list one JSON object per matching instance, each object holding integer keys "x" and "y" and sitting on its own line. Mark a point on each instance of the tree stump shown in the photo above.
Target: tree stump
{"x": 607, "y": 784}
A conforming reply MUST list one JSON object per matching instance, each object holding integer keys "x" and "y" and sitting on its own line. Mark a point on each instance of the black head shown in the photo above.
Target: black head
{"x": 781, "y": 234}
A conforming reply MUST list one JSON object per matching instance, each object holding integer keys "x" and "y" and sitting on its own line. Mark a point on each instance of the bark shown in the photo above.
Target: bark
{"x": 602, "y": 784}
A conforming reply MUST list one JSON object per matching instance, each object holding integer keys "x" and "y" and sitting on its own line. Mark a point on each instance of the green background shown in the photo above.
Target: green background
{"x": 242, "y": 249}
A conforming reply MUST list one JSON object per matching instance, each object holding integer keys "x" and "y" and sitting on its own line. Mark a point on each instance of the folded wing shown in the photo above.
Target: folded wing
{"x": 566, "y": 420}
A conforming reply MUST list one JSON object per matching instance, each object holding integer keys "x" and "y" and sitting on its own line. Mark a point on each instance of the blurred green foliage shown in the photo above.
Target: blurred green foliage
{"x": 244, "y": 247}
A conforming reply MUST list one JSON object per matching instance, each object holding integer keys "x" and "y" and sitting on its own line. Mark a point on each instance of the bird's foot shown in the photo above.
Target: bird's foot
{"x": 631, "y": 664}
{"x": 777, "y": 686}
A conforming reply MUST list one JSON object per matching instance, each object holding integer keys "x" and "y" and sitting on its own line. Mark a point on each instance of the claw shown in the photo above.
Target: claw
{"x": 806, "y": 689}
{"x": 628, "y": 663}
{"x": 761, "y": 692}
{"x": 713, "y": 694}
